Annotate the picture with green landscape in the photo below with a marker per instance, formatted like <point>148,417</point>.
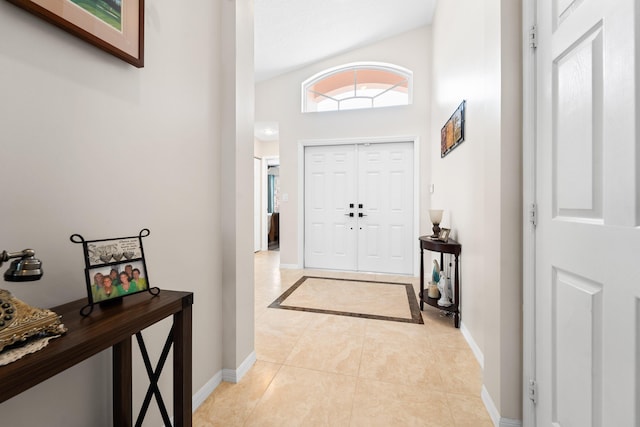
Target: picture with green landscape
<point>109,11</point>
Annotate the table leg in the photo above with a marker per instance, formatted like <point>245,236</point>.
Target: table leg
<point>421,295</point>
<point>182,367</point>
<point>122,391</point>
<point>457,295</point>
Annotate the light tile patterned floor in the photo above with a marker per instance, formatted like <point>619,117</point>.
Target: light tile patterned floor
<point>326,370</point>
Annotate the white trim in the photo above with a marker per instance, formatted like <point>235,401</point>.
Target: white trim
<point>529,124</point>
<point>206,390</point>
<point>416,205</point>
<point>264,244</point>
<point>235,375</point>
<point>266,162</point>
<point>415,140</point>
<point>490,406</point>
<point>472,343</point>
<point>494,414</point>
<point>258,190</point>
<point>301,146</point>
<point>506,422</point>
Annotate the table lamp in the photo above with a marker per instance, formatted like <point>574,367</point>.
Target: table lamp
<point>435,215</point>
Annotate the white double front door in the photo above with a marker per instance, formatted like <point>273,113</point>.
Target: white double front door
<point>359,207</point>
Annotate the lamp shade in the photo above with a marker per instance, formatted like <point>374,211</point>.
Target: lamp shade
<point>435,215</point>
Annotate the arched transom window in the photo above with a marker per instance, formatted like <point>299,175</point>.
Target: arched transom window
<point>359,85</point>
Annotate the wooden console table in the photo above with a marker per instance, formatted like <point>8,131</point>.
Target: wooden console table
<point>450,247</point>
<point>114,326</point>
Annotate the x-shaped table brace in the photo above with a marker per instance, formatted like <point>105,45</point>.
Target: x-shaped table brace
<point>154,376</point>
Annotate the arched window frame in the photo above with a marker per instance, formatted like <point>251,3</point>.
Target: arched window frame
<point>392,68</point>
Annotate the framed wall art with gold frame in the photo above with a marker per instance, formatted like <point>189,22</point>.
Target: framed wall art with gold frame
<point>115,26</point>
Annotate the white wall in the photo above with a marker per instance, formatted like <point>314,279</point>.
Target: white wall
<point>92,145</point>
<point>278,100</point>
<point>479,183</point>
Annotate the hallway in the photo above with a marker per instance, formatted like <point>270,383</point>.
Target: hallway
<point>327,370</point>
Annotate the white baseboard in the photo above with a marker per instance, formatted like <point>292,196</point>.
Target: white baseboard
<point>498,421</point>
<point>505,422</point>
<point>472,343</point>
<point>206,390</point>
<point>290,266</point>
<point>235,375</point>
<point>228,375</point>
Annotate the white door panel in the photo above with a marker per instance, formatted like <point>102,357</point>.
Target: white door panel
<point>329,189</point>
<point>386,193</point>
<point>587,238</point>
<point>378,237</point>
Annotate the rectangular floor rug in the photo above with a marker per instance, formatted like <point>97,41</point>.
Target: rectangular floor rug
<point>348,297</point>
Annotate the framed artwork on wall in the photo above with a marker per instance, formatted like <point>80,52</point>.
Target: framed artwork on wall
<point>115,26</point>
<point>452,133</point>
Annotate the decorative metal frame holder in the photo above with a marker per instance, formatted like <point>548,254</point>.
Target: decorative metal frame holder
<point>103,254</point>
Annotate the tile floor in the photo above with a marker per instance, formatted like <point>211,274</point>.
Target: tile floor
<point>326,370</point>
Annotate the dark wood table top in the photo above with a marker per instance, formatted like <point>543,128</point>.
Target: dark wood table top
<point>448,247</point>
<point>87,336</point>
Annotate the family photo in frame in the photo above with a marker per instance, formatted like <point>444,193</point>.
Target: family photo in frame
<point>117,280</point>
<point>114,269</point>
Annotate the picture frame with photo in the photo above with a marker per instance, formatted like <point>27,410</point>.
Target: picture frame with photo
<point>114,269</point>
<point>444,235</point>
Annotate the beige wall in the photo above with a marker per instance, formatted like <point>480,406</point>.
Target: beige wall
<point>264,149</point>
<point>92,145</point>
<point>479,183</point>
<point>238,185</point>
<point>278,100</point>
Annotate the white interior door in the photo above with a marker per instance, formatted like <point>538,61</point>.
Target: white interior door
<point>359,207</point>
<point>588,194</point>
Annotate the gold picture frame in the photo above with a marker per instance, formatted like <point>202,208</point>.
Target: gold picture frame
<point>115,26</point>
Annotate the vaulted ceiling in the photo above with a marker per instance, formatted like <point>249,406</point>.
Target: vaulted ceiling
<point>291,34</point>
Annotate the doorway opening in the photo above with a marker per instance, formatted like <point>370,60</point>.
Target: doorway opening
<point>273,207</point>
